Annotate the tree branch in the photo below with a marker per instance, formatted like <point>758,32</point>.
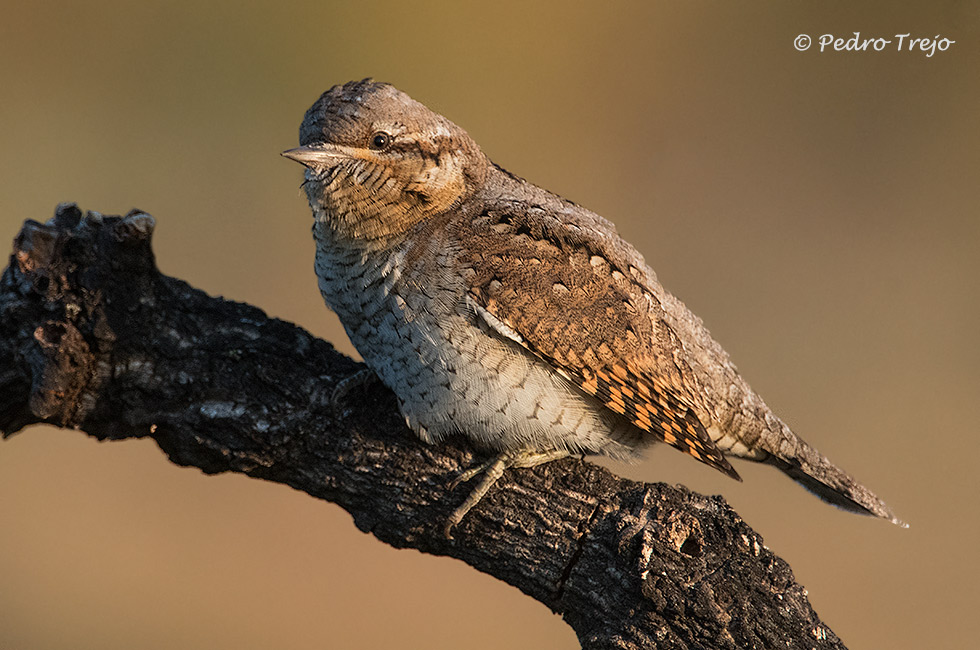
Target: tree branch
<point>95,338</point>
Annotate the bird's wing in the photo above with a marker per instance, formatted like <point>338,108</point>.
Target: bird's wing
<point>560,290</point>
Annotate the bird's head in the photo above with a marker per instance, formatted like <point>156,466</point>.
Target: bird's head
<point>378,162</point>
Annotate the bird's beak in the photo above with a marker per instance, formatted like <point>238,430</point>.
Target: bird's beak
<point>314,155</point>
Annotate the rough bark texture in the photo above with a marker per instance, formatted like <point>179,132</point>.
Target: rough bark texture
<point>95,338</point>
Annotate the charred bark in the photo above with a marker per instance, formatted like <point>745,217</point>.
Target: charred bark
<point>95,338</point>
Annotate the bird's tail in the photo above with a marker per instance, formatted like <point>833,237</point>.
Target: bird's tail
<point>817,474</point>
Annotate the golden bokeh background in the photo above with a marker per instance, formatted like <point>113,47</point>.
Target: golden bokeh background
<point>818,210</point>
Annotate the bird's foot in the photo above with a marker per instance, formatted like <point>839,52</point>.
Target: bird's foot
<point>356,381</point>
<point>493,470</point>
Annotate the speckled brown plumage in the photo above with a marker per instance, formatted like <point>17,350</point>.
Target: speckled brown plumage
<point>580,313</point>
<point>497,310</point>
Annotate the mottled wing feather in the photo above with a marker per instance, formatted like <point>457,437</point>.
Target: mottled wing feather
<point>650,409</point>
<point>563,300</point>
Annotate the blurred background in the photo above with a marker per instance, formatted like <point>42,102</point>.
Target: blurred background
<point>818,210</point>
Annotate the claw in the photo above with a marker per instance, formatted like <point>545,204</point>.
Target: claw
<point>347,385</point>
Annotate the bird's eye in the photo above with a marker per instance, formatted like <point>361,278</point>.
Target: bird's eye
<point>380,140</point>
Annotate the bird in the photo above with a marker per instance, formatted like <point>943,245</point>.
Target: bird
<point>499,311</point>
